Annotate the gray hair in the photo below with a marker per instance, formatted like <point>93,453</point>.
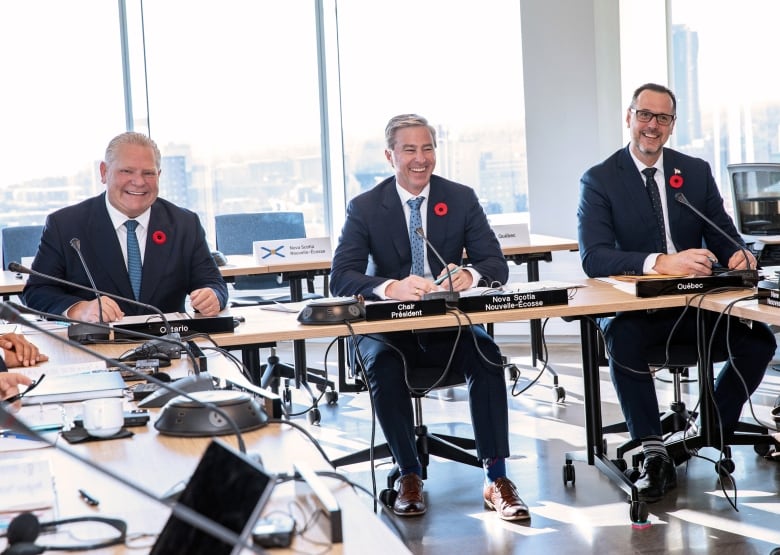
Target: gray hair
<point>403,121</point>
<point>131,138</point>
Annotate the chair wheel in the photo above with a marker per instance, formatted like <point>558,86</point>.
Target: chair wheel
<point>632,474</point>
<point>763,449</point>
<point>331,397</point>
<point>620,464</point>
<point>724,467</point>
<point>559,394</point>
<point>638,511</point>
<point>314,416</point>
<point>387,497</point>
<point>569,474</point>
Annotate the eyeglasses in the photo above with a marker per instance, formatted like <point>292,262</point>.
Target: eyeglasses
<point>33,385</point>
<point>646,116</point>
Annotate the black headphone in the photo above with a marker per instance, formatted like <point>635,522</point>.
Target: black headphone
<point>24,529</point>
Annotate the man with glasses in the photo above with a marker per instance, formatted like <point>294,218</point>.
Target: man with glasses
<point>631,223</point>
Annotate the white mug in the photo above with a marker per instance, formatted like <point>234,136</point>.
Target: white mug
<point>103,417</point>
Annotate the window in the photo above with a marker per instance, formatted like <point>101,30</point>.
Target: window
<point>457,64</point>
<point>60,103</point>
<point>727,87</point>
<point>234,107</point>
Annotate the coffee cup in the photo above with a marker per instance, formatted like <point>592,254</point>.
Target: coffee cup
<point>103,417</point>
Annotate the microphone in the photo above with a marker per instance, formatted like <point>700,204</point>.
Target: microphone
<point>211,424</point>
<point>153,346</point>
<point>180,510</point>
<point>450,296</point>
<point>18,268</point>
<point>749,276</point>
<point>87,333</point>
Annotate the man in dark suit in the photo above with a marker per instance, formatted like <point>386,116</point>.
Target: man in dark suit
<point>630,225</point>
<point>375,259</point>
<point>165,250</point>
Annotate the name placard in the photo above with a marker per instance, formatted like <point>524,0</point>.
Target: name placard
<point>684,286</point>
<point>304,249</point>
<point>512,235</point>
<point>401,310</point>
<point>512,301</point>
<point>769,296</point>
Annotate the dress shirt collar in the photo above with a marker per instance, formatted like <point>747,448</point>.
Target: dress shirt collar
<point>406,195</point>
<point>118,219</point>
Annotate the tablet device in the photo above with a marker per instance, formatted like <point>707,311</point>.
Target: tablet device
<point>227,487</point>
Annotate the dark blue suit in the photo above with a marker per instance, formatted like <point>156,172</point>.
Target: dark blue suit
<point>171,269</point>
<point>374,247</point>
<point>617,231</point>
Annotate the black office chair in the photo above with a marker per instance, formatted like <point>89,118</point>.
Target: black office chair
<point>677,419</point>
<point>20,241</point>
<point>235,234</point>
<point>453,448</point>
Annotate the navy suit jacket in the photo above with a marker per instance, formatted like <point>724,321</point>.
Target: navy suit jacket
<point>374,244</point>
<point>617,228</point>
<point>171,269</point>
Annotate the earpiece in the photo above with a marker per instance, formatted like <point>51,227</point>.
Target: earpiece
<point>22,533</point>
<point>24,529</point>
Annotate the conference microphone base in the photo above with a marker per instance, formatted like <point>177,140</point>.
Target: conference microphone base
<point>450,297</point>
<point>87,334</point>
<point>196,418</point>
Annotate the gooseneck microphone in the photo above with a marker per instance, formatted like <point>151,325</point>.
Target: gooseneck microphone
<point>86,333</point>
<point>18,268</point>
<point>749,276</point>
<point>13,316</point>
<point>450,296</point>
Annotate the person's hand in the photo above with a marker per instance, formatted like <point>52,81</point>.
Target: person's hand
<point>411,288</point>
<point>696,262</point>
<point>738,260</point>
<point>89,311</point>
<point>9,386</point>
<point>205,301</point>
<point>17,351</point>
<point>461,280</point>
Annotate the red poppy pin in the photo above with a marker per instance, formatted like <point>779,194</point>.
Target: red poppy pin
<point>440,209</point>
<point>676,180</point>
<point>159,237</point>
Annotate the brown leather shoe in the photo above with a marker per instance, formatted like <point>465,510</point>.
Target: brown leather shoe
<point>409,501</point>
<point>502,497</point>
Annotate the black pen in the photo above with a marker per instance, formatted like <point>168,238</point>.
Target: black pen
<point>88,499</point>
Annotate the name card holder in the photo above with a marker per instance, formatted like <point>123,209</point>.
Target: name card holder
<point>513,301</point>
<point>304,249</point>
<point>685,286</point>
<point>402,310</point>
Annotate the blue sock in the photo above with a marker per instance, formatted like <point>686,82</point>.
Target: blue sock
<point>494,468</point>
<point>416,469</point>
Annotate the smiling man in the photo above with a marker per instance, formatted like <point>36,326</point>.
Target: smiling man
<point>135,244</point>
<point>380,256</point>
<point>630,223</point>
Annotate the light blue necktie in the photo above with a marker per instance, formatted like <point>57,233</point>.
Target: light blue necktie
<point>418,245</point>
<point>134,263</point>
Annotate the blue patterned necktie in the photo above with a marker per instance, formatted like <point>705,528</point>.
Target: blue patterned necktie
<point>655,200</point>
<point>133,258</point>
<point>418,245</point>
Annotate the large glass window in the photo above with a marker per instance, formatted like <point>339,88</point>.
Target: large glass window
<point>456,63</point>
<point>234,106</point>
<point>728,89</point>
<point>60,102</point>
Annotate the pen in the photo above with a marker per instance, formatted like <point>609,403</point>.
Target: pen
<point>439,281</point>
<point>88,499</point>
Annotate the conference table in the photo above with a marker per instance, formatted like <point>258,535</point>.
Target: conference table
<point>157,462</point>
<point>539,249</point>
